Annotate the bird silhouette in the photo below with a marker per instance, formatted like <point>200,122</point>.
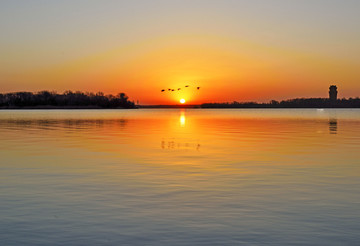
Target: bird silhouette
<point>186,86</point>
<point>172,90</point>
<point>162,90</point>
<point>198,88</point>
<point>169,89</point>
<point>179,89</point>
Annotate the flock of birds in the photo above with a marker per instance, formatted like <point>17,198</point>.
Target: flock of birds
<point>178,89</point>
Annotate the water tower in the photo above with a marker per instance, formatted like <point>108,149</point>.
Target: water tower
<point>333,93</point>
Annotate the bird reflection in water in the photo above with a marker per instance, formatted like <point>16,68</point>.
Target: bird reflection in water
<point>333,126</point>
<point>178,144</point>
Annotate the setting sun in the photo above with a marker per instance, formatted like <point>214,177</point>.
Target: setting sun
<point>182,100</point>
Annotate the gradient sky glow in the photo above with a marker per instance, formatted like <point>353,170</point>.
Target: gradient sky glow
<point>235,50</point>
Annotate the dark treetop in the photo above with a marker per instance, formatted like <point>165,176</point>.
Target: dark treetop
<point>68,99</point>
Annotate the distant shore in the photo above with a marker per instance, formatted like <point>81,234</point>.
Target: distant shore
<point>291,103</point>
<point>219,107</point>
<point>170,106</point>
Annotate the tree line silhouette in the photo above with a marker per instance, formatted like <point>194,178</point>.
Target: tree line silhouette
<point>78,99</point>
<point>291,103</point>
<point>68,99</point>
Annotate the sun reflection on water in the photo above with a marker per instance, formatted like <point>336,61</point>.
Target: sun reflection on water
<point>182,118</point>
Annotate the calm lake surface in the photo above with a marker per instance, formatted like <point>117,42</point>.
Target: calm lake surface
<point>180,177</point>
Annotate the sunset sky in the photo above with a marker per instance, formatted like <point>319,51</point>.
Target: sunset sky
<point>234,50</point>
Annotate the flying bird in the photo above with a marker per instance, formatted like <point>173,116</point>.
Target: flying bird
<point>198,88</point>
<point>186,86</point>
<point>179,89</point>
<point>169,89</point>
<point>172,90</point>
<point>162,90</point>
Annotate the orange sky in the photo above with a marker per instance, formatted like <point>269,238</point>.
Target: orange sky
<point>233,50</point>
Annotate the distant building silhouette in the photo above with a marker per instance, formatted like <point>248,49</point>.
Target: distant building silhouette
<point>333,93</point>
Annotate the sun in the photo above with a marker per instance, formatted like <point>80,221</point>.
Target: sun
<point>182,100</point>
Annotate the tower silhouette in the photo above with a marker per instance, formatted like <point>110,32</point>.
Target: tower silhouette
<point>333,93</point>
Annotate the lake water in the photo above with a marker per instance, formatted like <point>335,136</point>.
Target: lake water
<point>180,177</point>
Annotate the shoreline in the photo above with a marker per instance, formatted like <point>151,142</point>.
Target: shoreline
<point>162,107</point>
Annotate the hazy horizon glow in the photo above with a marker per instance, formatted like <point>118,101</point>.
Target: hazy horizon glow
<point>234,50</point>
